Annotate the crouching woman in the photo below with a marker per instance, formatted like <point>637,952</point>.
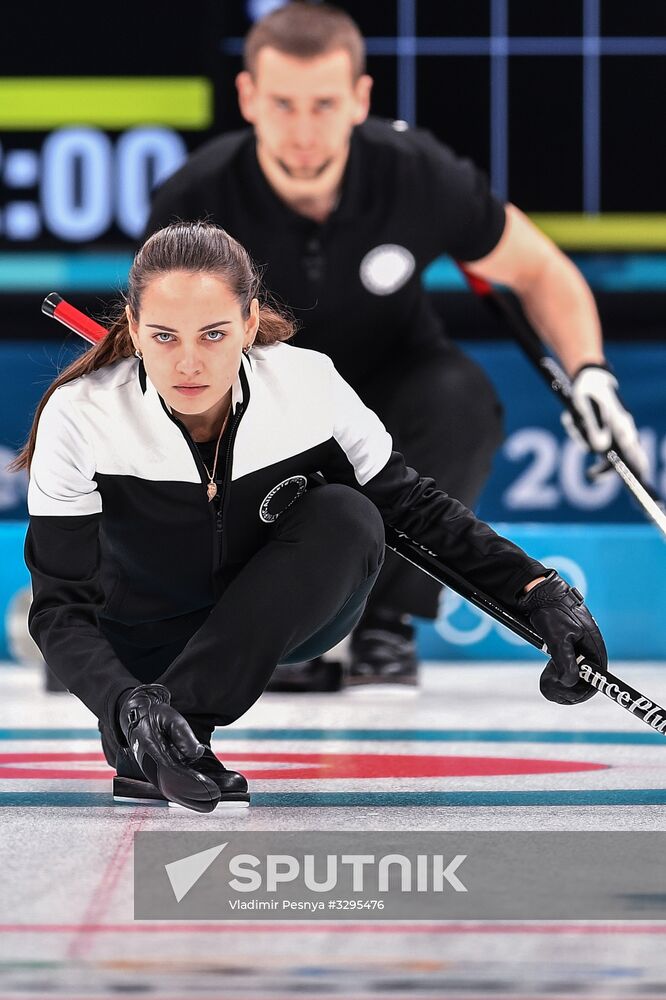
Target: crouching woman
<point>207,501</point>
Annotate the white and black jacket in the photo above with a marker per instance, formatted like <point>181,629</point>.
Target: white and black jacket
<point>121,530</point>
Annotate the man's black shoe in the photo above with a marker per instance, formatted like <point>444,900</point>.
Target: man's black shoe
<point>165,748</point>
<point>315,675</point>
<point>131,785</point>
<point>383,656</point>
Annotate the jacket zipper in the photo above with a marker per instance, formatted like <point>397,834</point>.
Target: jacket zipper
<point>216,516</point>
<point>222,504</point>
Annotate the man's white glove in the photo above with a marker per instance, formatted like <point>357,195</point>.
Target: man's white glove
<point>605,419</point>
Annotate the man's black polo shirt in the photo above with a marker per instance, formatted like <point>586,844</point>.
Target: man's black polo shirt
<point>354,283</point>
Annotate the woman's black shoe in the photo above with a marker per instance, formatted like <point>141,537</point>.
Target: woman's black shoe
<point>232,785</point>
<point>165,748</point>
<point>131,785</point>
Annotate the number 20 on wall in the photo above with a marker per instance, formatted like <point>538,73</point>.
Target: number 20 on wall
<point>555,472</point>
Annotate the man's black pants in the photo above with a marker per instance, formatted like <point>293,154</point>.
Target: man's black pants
<point>296,598</point>
<point>446,419</point>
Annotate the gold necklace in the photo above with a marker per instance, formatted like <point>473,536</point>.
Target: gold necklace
<point>211,489</point>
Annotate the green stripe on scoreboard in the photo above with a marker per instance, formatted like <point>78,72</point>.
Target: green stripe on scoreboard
<point>108,102</point>
<point>608,231</point>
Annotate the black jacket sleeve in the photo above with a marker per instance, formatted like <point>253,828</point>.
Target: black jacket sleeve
<point>63,556</point>
<point>363,457</point>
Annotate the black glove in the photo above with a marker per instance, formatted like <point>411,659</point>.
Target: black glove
<point>556,611</point>
<point>165,747</point>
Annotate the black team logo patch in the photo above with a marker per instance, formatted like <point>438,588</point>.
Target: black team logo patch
<point>281,497</point>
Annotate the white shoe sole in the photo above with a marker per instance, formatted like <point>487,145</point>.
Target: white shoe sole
<point>220,805</point>
<point>175,805</point>
<point>121,800</point>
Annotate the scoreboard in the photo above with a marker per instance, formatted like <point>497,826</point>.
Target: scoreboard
<point>554,100</point>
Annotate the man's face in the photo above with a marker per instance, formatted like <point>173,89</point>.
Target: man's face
<point>303,111</point>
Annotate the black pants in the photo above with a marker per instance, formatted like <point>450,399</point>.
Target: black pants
<point>296,598</point>
<point>445,418</point>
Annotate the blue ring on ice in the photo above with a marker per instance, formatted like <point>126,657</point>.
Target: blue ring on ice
<point>614,737</point>
<point>456,800</point>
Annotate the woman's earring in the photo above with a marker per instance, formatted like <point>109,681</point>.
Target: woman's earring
<point>138,354</point>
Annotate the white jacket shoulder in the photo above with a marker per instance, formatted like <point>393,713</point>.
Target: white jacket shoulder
<point>109,377</point>
<point>288,357</point>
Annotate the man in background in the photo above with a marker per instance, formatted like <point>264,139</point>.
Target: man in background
<point>345,212</point>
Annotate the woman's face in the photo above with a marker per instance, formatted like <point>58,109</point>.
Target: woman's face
<point>191,332</point>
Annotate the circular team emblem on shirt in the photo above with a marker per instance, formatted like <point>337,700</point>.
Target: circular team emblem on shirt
<point>386,268</point>
<point>281,497</point>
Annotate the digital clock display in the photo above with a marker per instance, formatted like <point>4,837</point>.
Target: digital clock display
<point>82,184</point>
<point>102,146</point>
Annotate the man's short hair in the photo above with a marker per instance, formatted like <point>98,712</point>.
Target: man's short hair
<point>306,30</point>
